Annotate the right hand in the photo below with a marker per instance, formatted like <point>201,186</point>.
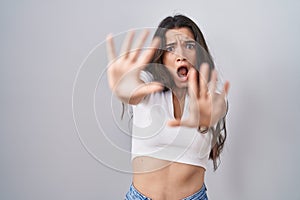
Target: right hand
<point>124,71</point>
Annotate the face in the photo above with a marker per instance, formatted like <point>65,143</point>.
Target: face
<point>180,55</point>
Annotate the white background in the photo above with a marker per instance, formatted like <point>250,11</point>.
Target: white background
<point>43,44</point>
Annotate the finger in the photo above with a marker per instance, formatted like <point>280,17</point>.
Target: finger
<point>127,44</point>
<point>213,82</point>
<point>111,52</point>
<point>204,72</point>
<point>193,90</point>
<point>148,54</point>
<point>140,43</point>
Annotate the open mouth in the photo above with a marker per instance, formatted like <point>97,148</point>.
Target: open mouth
<point>182,72</point>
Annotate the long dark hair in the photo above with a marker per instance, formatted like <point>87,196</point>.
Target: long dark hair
<point>161,74</point>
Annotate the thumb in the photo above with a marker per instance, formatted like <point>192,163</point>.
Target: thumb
<point>187,123</point>
<point>174,123</point>
<point>226,87</point>
<point>149,88</point>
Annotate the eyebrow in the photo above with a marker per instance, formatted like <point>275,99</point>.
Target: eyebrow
<point>171,44</point>
<point>190,41</point>
<point>186,41</point>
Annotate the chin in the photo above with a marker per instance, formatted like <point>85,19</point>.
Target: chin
<point>182,85</point>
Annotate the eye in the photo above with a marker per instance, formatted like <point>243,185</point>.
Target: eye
<point>190,45</point>
<point>170,48</point>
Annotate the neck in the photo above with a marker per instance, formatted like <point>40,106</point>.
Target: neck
<point>178,102</point>
<point>179,93</point>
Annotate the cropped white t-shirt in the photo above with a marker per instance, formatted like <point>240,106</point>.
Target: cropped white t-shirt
<point>152,137</point>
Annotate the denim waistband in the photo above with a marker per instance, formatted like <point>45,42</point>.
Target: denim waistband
<point>200,195</point>
<point>133,194</point>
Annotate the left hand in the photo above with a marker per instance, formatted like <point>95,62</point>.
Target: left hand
<point>206,107</point>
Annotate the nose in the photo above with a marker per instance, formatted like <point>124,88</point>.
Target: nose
<point>180,56</point>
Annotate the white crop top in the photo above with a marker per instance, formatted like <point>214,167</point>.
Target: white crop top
<point>152,137</point>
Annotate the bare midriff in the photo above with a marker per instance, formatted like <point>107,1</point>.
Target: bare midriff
<point>165,180</point>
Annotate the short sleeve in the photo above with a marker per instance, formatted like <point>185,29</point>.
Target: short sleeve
<point>146,76</point>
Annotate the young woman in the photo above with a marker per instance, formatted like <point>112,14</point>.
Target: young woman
<point>178,110</point>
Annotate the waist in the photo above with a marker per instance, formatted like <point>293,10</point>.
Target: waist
<point>156,178</point>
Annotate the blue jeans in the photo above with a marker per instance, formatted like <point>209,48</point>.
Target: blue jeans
<point>133,194</point>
